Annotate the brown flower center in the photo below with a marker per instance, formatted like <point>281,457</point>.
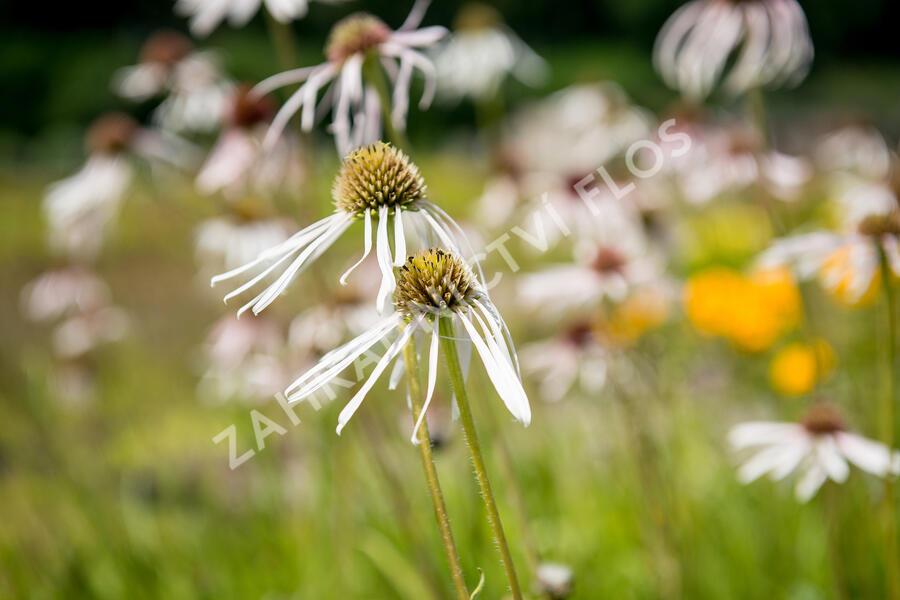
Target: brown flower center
<point>822,419</point>
<point>607,260</point>
<point>357,33</point>
<point>166,48</point>
<point>110,134</point>
<point>248,109</point>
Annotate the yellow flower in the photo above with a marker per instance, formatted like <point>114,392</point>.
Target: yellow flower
<point>797,367</point>
<point>752,312</point>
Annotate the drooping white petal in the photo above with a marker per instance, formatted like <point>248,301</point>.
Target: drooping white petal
<point>870,456</point>
<point>383,253</point>
<point>810,483</point>
<point>432,374</point>
<point>399,239</point>
<point>367,247</point>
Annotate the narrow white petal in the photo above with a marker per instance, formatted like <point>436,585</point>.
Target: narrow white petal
<point>367,247</point>
<point>383,252</point>
<point>432,375</point>
<point>399,239</point>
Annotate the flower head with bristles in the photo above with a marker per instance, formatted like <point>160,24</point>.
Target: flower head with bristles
<point>434,281</point>
<point>379,186</point>
<point>375,176</point>
<point>434,287</point>
<point>357,33</point>
<point>362,54</point>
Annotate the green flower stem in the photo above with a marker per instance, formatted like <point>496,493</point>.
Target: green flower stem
<point>465,416</point>
<point>283,39</point>
<point>431,477</point>
<point>373,73</point>
<point>892,561</point>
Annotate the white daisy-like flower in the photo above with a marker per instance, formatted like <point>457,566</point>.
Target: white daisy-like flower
<point>61,292</point>
<point>434,285</point>
<point>357,44</point>
<point>196,90</point>
<point>738,44</point>
<point>607,267</point>
<point>206,15</point>
<point>556,580</point>
<point>820,446</point>
<point>378,185</point>
<point>481,54</point>
<point>237,165</point>
<point>558,364</point>
<point>846,261</point>
<point>80,208</point>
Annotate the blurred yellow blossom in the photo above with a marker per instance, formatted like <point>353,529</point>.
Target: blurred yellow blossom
<point>837,274</point>
<point>797,367</point>
<point>645,309</point>
<point>751,311</point>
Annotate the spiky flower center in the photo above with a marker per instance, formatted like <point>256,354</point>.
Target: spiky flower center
<point>110,134</point>
<point>879,225</point>
<point>357,33</point>
<point>249,109</point>
<point>375,176</point>
<point>822,419</point>
<point>434,281</point>
<point>165,48</point>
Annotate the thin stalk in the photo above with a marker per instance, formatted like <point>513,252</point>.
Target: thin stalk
<point>892,561</point>
<point>833,531</point>
<point>431,477</point>
<point>374,74</point>
<point>448,346</point>
<point>283,40</point>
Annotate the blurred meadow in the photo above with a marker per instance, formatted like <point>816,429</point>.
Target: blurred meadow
<point>122,404</point>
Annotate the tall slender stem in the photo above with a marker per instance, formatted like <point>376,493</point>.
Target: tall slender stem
<point>283,39</point>
<point>448,346</point>
<point>892,561</point>
<point>431,477</point>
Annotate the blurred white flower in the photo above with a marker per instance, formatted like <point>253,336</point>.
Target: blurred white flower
<point>61,292</point>
<point>237,164</point>
<point>80,208</point>
<point>196,90</point>
<point>481,53</point>
<point>617,259</point>
<point>245,359</point>
<point>435,285</point>
<point>206,15</point>
<point>732,158</point>
<point>87,330</point>
<point>855,150</point>
<point>555,580</point>
<point>819,446</point>
<point>739,44</point>
<point>573,357</point>
<point>378,185</point>
<point>231,241</point>
<point>355,45</point>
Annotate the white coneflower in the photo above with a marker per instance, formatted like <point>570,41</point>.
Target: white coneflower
<point>742,44</point>
<point>357,43</point>
<point>206,15</point>
<point>237,164</point>
<point>555,580</point>
<point>378,185</point>
<point>558,364</point>
<point>819,445</point>
<point>481,53</point>
<point>605,269</point>
<point>433,284</point>
<point>859,247</point>
<point>62,292</point>
<point>80,208</point>
<point>196,89</point>
<point>855,150</point>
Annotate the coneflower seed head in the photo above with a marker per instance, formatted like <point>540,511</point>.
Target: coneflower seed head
<point>822,419</point>
<point>375,176</point>
<point>433,281</point>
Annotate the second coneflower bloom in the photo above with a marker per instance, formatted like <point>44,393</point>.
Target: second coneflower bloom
<point>378,185</point>
<point>434,284</point>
